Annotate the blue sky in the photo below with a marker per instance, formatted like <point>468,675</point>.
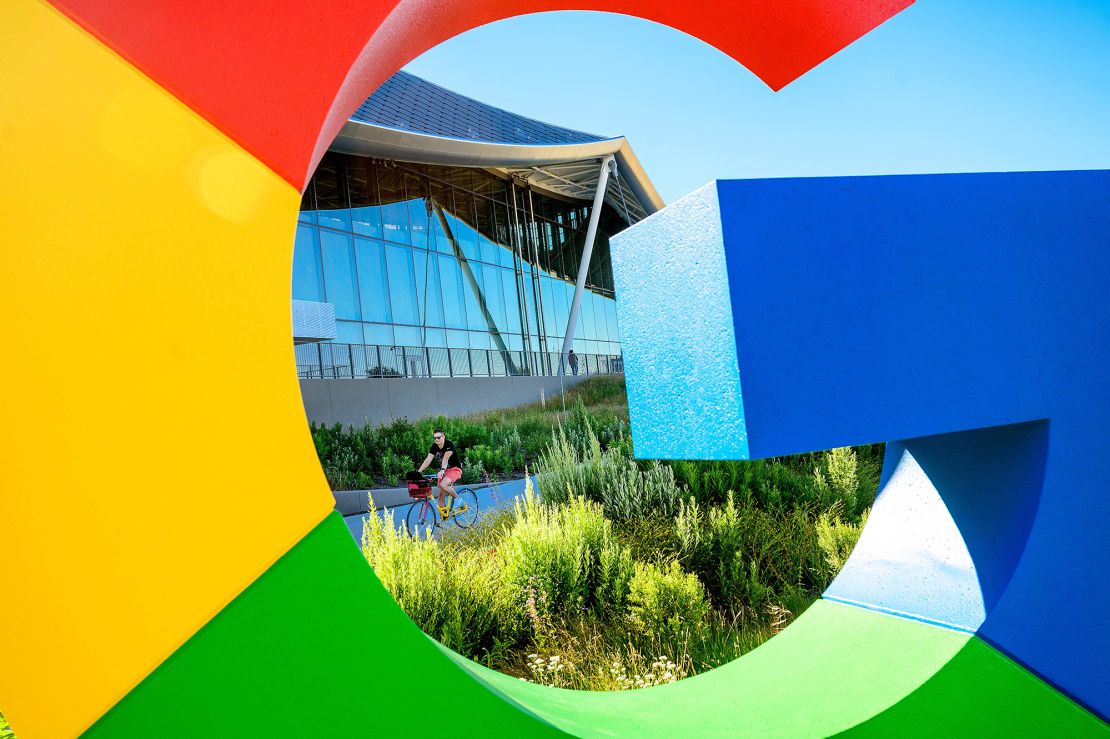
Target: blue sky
<point>945,86</point>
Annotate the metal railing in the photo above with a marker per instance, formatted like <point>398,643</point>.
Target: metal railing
<point>355,361</point>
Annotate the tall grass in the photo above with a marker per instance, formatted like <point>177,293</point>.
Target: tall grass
<point>609,477</point>
<point>453,593</point>
<point>564,560</point>
<point>620,573</point>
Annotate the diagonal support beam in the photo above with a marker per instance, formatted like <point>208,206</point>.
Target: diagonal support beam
<point>472,281</point>
<point>607,165</point>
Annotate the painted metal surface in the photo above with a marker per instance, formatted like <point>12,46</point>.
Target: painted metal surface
<point>902,325</point>
<point>675,316</point>
<point>235,64</point>
<point>963,316</point>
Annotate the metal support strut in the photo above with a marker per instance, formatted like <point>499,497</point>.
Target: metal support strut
<point>608,164</point>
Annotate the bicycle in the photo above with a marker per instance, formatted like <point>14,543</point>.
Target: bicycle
<point>424,512</point>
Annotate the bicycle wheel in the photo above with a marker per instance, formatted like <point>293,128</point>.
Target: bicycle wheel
<point>422,516</point>
<point>465,518</point>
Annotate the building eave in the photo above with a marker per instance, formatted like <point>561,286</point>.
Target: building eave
<point>382,142</point>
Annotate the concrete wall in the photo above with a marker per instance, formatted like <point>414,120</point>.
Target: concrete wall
<point>381,399</point>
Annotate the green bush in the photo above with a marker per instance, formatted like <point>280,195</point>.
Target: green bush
<point>565,559</point>
<point>341,469</point>
<point>394,467</point>
<point>492,459</point>
<point>608,477</point>
<point>454,594</point>
<point>837,539</point>
<point>666,602</point>
<point>746,556</point>
<point>820,480</point>
<point>472,472</point>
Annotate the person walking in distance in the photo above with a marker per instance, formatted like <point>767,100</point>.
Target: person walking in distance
<point>573,358</point>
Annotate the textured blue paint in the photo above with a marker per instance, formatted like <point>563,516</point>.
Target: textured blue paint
<point>911,559</point>
<point>683,370</point>
<point>916,307</point>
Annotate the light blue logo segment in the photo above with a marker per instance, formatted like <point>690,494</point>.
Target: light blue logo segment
<point>676,325</point>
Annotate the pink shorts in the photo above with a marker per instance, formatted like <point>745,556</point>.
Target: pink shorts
<point>451,473</point>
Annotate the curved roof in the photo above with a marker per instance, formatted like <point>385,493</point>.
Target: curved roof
<point>409,103</point>
<point>411,119</point>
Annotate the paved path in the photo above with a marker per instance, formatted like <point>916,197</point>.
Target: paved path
<point>397,500</point>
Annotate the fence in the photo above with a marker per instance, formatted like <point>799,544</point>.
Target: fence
<point>337,361</point>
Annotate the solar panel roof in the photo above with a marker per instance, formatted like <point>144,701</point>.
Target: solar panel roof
<point>410,103</point>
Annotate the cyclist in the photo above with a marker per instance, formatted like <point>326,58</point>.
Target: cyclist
<point>447,457</point>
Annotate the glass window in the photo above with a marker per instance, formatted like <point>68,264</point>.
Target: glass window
<point>493,294</point>
<point>366,215</point>
<point>462,223</point>
<point>307,213</point>
<point>601,326</point>
<point>484,223</point>
<point>402,284</point>
<point>377,333</point>
<point>548,298</point>
<point>330,183</point>
<point>394,212</point>
<point>428,293</point>
<point>599,318</point>
<point>435,337</point>
<point>505,252</point>
<point>562,309</point>
<point>480,340</point>
<point>475,319</point>
<point>307,284</point>
<point>454,300</point>
<point>441,195</point>
<point>583,311</point>
<point>308,201</point>
<point>458,339</point>
<point>510,299</point>
<point>614,329</point>
<point>407,335</point>
<point>420,216</point>
<point>339,274</point>
<point>530,304</point>
<point>373,288</point>
<point>348,332</point>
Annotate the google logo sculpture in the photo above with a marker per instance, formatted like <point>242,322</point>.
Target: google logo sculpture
<point>171,564</point>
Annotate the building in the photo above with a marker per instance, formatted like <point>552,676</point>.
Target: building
<point>443,237</point>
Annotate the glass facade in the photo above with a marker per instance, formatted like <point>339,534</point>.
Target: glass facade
<point>427,256</point>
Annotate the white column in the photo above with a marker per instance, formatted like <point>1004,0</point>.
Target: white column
<point>607,165</point>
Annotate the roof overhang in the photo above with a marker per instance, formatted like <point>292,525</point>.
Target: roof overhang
<point>570,170</point>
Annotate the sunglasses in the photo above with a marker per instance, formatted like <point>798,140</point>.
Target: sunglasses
<point>438,436</point>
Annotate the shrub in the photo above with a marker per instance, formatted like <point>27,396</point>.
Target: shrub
<point>454,595</point>
<point>608,477</point>
<point>565,559</point>
<point>472,472</point>
<point>666,602</point>
<point>492,459</point>
<point>628,493</point>
<point>340,470</point>
<point>394,466</point>
<point>836,479</point>
<point>837,539</point>
<point>748,556</point>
